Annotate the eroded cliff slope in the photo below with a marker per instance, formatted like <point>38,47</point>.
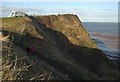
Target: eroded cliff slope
<point>61,43</point>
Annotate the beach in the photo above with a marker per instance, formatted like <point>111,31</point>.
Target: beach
<point>105,34</point>
<point>107,43</point>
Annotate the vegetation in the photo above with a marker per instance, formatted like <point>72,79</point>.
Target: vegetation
<point>64,50</point>
<point>18,66</point>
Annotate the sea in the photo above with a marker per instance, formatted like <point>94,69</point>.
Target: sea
<point>105,35</point>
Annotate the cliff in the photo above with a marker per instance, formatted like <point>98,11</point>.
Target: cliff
<point>64,49</point>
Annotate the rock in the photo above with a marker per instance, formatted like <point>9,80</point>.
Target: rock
<point>64,44</point>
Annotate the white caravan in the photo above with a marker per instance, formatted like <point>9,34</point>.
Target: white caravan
<point>17,14</point>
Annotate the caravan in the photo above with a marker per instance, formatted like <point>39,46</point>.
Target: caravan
<point>17,14</point>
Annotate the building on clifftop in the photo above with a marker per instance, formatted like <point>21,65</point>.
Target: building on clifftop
<point>17,14</point>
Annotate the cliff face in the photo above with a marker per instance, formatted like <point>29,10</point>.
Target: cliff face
<point>61,42</point>
<point>70,26</point>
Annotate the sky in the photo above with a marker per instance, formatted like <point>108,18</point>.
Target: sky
<point>86,11</point>
<point>60,0</point>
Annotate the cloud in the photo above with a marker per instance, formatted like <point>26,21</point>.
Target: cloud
<point>7,10</point>
<point>96,15</point>
<point>91,15</point>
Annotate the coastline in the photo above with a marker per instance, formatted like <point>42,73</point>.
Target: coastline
<point>107,43</point>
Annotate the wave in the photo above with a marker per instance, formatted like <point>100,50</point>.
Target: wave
<point>107,43</point>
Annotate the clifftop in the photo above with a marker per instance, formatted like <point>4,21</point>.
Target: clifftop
<point>61,42</point>
<point>70,26</point>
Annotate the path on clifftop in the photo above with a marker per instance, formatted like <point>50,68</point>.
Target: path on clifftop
<point>63,48</point>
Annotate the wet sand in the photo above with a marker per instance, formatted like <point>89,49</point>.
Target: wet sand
<point>111,41</point>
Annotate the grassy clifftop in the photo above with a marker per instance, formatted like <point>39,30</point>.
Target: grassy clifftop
<point>62,43</point>
<point>70,26</point>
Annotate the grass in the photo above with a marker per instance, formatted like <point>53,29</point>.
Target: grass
<point>74,53</point>
<point>15,66</point>
<point>71,27</point>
